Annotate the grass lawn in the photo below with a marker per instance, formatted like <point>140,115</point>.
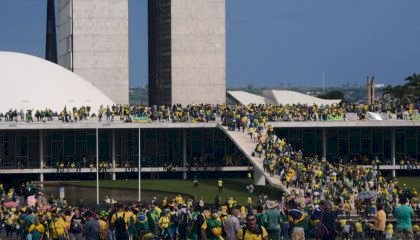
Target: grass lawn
<point>207,188</point>
<point>411,182</point>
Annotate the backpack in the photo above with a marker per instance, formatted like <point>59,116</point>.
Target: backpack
<point>185,218</point>
<point>173,218</point>
<point>120,226</point>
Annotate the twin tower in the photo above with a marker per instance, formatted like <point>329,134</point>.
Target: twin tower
<point>187,48</point>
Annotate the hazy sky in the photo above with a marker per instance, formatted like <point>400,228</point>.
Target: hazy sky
<point>272,42</point>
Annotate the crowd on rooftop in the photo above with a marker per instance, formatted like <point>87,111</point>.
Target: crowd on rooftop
<point>212,112</point>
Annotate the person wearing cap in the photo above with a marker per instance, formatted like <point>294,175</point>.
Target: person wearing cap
<point>91,229</point>
<point>252,230</point>
<point>273,220</point>
<point>212,228</point>
<point>103,225</point>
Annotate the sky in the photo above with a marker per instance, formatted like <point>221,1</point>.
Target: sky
<point>271,43</point>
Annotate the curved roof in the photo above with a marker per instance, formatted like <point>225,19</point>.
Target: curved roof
<point>291,97</point>
<point>246,98</point>
<point>279,97</point>
<point>29,82</point>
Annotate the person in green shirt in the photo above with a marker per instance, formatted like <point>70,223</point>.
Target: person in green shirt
<point>404,215</point>
<point>194,230</point>
<point>284,226</point>
<point>141,226</point>
<point>273,220</point>
<point>261,217</point>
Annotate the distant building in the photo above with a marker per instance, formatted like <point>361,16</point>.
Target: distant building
<point>93,43</point>
<point>187,51</point>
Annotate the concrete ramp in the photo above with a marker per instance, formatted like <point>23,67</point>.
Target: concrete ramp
<point>247,146</point>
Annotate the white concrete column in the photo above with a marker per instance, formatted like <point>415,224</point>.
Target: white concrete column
<point>97,166</point>
<point>41,154</point>
<point>259,179</point>
<point>139,166</point>
<point>393,150</point>
<point>114,175</point>
<point>324,143</point>
<point>184,153</point>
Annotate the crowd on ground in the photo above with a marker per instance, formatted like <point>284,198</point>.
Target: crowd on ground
<point>297,215</point>
<point>212,112</point>
<point>354,190</point>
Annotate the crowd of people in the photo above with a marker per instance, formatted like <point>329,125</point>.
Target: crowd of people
<point>354,191</point>
<point>212,112</point>
<point>305,213</point>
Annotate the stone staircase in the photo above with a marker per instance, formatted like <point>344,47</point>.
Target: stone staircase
<point>247,145</point>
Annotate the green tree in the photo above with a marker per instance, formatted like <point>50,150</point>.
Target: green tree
<point>413,80</point>
<point>413,85</point>
<point>387,90</point>
<point>334,94</point>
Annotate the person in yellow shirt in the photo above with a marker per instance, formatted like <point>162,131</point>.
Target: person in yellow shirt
<point>164,222</point>
<point>120,220</point>
<point>58,228</point>
<point>252,231</point>
<point>220,185</point>
<point>389,231</point>
<point>359,229</point>
<point>103,225</point>
<point>36,230</point>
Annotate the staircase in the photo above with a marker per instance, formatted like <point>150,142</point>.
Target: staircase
<point>247,145</point>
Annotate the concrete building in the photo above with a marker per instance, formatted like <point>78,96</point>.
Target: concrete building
<point>187,51</point>
<point>93,43</point>
<point>35,149</point>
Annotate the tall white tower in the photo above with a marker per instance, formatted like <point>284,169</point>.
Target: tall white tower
<point>93,43</point>
<point>187,51</point>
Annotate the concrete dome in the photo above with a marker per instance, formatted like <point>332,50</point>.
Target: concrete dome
<point>29,82</point>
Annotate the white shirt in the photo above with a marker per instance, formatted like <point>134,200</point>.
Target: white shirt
<point>232,226</point>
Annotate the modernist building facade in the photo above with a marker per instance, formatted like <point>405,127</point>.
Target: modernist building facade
<point>187,51</point>
<point>37,148</point>
<point>93,43</point>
